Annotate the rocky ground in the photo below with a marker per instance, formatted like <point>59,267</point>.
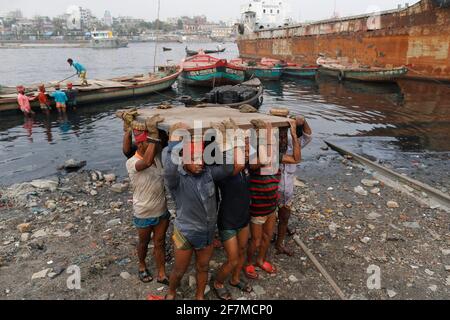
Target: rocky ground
<point>85,219</point>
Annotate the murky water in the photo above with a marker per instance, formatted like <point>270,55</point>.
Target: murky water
<point>405,126</point>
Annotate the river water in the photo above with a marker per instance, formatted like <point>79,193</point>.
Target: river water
<point>404,126</point>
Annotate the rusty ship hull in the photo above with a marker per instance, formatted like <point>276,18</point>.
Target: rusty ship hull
<point>417,37</point>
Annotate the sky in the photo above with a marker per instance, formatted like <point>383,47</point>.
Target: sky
<point>215,10</point>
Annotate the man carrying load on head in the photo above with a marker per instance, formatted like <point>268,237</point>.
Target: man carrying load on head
<point>81,71</point>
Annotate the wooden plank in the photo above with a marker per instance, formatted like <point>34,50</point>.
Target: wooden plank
<point>208,116</point>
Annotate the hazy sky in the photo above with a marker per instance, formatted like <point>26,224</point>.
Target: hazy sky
<point>215,9</point>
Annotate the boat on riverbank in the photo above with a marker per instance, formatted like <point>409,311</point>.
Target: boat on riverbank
<point>265,72</point>
<point>343,70</point>
<point>293,70</point>
<point>120,88</point>
<point>208,71</point>
<point>248,93</point>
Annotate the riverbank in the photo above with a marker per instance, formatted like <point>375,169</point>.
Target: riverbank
<point>76,220</point>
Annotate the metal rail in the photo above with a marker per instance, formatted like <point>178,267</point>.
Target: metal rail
<point>434,197</point>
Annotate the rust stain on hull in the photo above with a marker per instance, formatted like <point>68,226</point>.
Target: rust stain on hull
<point>417,37</point>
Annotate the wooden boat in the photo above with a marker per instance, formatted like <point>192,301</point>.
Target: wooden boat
<point>255,101</point>
<point>205,70</point>
<point>191,53</point>
<point>344,70</point>
<point>106,90</point>
<point>257,70</point>
<point>297,71</point>
<point>167,49</point>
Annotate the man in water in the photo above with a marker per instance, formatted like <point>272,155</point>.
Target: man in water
<point>81,71</point>
<point>60,99</point>
<point>24,102</point>
<point>71,94</point>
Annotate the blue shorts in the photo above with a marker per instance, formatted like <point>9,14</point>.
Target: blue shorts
<point>150,222</point>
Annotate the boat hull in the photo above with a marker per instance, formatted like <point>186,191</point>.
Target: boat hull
<point>265,74</point>
<point>391,75</point>
<point>212,77</point>
<point>300,72</point>
<point>417,37</point>
<point>107,94</point>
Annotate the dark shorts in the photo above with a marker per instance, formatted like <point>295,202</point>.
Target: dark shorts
<point>226,235</point>
<point>150,222</point>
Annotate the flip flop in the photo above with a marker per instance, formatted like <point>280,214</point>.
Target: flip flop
<point>267,267</point>
<point>164,281</point>
<point>250,272</point>
<point>222,293</point>
<point>243,286</point>
<point>285,251</point>
<point>152,297</point>
<point>145,275</point>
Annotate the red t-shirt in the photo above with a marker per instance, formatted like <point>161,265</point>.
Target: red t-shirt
<point>43,98</point>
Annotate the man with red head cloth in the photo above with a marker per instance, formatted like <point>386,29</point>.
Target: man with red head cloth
<point>24,101</point>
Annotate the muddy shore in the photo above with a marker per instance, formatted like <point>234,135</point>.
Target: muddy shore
<point>81,219</point>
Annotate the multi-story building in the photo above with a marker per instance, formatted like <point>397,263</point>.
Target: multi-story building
<point>107,19</point>
<point>267,13</point>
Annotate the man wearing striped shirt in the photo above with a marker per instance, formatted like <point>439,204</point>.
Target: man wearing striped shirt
<point>264,187</point>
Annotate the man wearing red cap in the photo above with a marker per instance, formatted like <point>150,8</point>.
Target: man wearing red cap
<point>24,102</point>
<point>43,100</point>
<point>71,94</point>
<point>149,199</point>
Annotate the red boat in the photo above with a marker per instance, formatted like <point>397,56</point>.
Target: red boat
<point>208,71</point>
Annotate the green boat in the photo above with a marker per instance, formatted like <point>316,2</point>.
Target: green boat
<point>258,70</point>
<point>207,71</point>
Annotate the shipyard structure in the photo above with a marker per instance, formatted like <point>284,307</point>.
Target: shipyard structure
<point>416,36</point>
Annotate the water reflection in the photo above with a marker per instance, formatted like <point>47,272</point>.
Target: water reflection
<point>383,121</point>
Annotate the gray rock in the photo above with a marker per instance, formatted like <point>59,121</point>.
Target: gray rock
<point>447,268</point>
<point>103,297</point>
<point>258,290</point>
<point>24,237</point>
<point>411,225</point>
<point>392,205</point>
<point>62,234</point>
<point>365,240</point>
<point>50,185</point>
<point>447,281</point>
<point>433,288</point>
<point>391,293</point>
<point>39,234</point>
<point>370,183</point>
<point>375,191</point>
<point>119,187</point>
<point>73,164</point>
<point>55,272</point>
<point>361,191</point>
<point>40,275</point>
<point>125,275</point>
<point>293,279</point>
<point>114,222</point>
<point>429,272</point>
<point>207,289</point>
<point>192,281</point>
<point>445,252</point>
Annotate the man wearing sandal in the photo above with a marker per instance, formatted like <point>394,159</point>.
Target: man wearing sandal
<point>264,187</point>
<point>233,225</point>
<point>149,198</point>
<point>192,185</point>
